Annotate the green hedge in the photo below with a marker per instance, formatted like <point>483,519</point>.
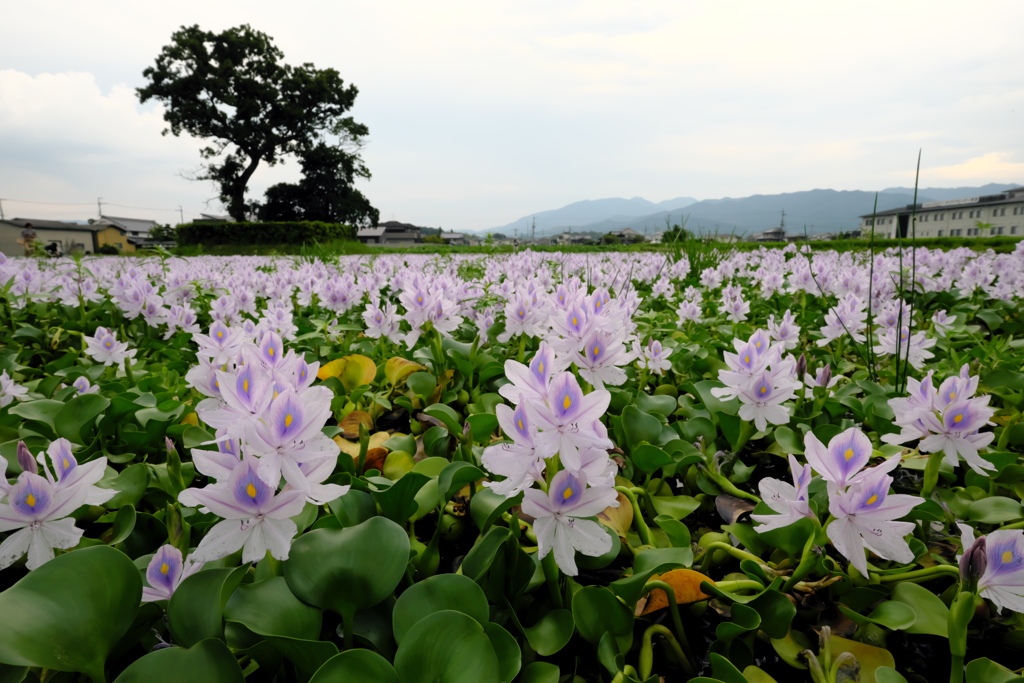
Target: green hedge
<point>295,232</point>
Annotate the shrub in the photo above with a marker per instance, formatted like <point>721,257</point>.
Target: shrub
<point>216,233</point>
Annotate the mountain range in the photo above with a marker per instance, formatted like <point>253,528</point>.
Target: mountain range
<point>815,211</point>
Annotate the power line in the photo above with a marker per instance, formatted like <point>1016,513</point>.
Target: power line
<point>99,202</point>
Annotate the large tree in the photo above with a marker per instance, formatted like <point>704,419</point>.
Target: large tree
<point>325,193</point>
<point>232,90</point>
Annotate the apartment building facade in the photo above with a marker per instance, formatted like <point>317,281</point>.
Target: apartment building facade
<point>1003,212</point>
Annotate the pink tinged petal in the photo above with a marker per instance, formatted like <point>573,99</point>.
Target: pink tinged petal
<point>593,502</point>
<point>819,459</point>
<point>249,490</point>
<point>31,496</point>
<point>589,537</point>
<point>219,499</point>
<point>544,529</point>
<point>61,458</point>
<point>886,540</point>
<point>849,453</point>
<point>776,494</point>
<point>1005,554</point>
<point>278,535</point>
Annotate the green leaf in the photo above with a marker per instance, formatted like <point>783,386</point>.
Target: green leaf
<point>886,674</point>
<point>788,441</point>
<point>540,672</point>
<point>447,646</point>
<point>482,425</point>
<point>869,656</point>
<point>447,415</point>
<point>639,426</point>
<point>366,563</point>
<point>124,524</point>
<point>597,611</point>
<point>931,613</point>
<point>510,657</point>
<point>893,615</point>
<point>196,609</point>
<point>984,670</point>
<point>209,661</point>
<point>442,592</point>
<point>365,666</point>
<point>650,458</point>
<point>994,510</point>
<point>551,633</point>
<point>398,502</point>
<point>42,410</point>
<point>714,405</point>
<point>76,414</point>
<point>486,506</point>
<point>83,601</point>
<point>421,383</point>
<point>269,608</point>
<point>130,485</point>
<point>454,476</point>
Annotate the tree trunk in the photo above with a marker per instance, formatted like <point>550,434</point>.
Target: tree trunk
<point>237,207</point>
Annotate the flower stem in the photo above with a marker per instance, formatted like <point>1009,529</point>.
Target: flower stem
<point>642,530</point>
<point>931,474</point>
<point>680,641</point>
<point>927,573</point>
<point>647,652</point>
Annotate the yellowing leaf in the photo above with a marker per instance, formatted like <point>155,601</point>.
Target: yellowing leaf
<point>352,447</point>
<point>398,368</point>
<point>350,424</point>
<point>686,584</point>
<point>191,419</point>
<point>353,371</point>
<point>618,519</point>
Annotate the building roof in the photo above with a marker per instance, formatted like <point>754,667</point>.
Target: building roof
<point>39,224</point>
<point>130,224</point>
<point>952,204</point>
<point>371,232</point>
<point>454,236</point>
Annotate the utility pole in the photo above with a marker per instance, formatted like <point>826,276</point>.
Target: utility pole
<point>533,230</point>
<point>181,213</point>
<point>782,221</point>
<point>1,209</point>
<point>99,205</point>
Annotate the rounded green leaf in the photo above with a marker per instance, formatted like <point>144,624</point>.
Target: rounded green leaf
<point>196,610</point>
<point>365,666</point>
<point>346,570</point>
<point>449,647</point>
<point>540,672</point>
<point>84,600</point>
<point>268,608</point>
<point>442,592</point>
<point>597,611</point>
<point>209,661</point>
<point>639,426</point>
<point>77,414</point>
<point>510,657</point>
<point>932,615</point>
<point>994,510</point>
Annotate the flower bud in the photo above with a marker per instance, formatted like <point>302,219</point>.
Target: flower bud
<point>974,562</point>
<point>25,460</point>
<point>801,366</point>
<point>825,377</point>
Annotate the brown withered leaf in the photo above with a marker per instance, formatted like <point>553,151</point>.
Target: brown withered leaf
<point>686,584</point>
<point>375,458</point>
<point>731,508</point>
<point>618,519</point>
<point>352,447</point>
<point>350,424</point>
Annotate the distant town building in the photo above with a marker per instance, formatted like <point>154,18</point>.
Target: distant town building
<point>1004,212</point>
<point>392,234</point>
<point>136,230</point>
<point>69,237</point>
<point>770,235</point>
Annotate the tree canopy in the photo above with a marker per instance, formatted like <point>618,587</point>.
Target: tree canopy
<point>232,90</point>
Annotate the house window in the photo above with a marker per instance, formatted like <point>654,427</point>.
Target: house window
<point>940,233</point>
<point>1013,230</point>
<point>924,219</point>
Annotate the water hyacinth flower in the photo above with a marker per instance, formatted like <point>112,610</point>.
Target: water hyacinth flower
<point>652,357</point>
<point>67,473</point>
<point>566,417</point>
<point>996,563</point>
<point>914,347</point>
<point>865,518</point>
<point>82,385</point>
<point>9,390</point>
<point>103,347</point>
<point>165,573</point>
<point>761,401</point>
<point>39,511</point>
<point>842,462</point>
<point>255,519</point>
<point>789,501</point>
<point>557,519</point>
<point>520,462</point>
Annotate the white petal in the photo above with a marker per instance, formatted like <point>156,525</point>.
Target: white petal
<point>14,547</point>
<point>222,540</point>
<point>589,538</point>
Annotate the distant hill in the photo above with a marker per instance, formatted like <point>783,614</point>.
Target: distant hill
<point>590,211</point>
<point>814,210</point>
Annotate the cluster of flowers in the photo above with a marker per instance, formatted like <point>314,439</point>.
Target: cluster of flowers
<point>761,378</point>
<point>268,420</point>
<point>555,425</point>
<point>948,419</point>
<point>38,508</point>
<point>864,511</point>
<point>103,347</point>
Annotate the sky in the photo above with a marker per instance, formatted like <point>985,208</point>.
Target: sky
<point>481,113</point>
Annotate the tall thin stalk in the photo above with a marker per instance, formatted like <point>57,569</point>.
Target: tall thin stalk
<point>872,362</point>
<point>913,276</point>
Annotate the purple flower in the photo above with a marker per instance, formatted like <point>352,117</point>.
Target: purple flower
<point>999,570</point>
<point>844,459</point>
<point>789,501</point>
<point>165,573</point>
<point>40,513</point>
<point>557,519</point>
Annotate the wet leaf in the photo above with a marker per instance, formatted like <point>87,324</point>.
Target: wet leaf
<point>686,584</point>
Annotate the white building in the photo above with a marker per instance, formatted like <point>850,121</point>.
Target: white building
<point>1004,212</point>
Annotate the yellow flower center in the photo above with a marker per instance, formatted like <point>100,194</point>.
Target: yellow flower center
<point>952,395</point>
<point>757,344</point>
<point>164,569</point>
<point>220,335</point>
<point>245,385</point>
<point>270,351</point>
<point>597,350</point>
<point>1007,556</point>
<point>520,424</point>
<point>567,493</point>
<point>958,419</point>
<point>66,463</point>
<point>250,490</point>
<point>540,366</point>
<point>288,420</point>
<point>872,500</point>
<point>746,359</point>
<point>566,402</point>
<point>30,500</point>
<point>575,322</point>
<point>848,454</point>
<point>764,390</point>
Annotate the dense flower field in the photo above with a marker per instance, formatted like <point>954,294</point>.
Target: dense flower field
<point>780,466</point>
